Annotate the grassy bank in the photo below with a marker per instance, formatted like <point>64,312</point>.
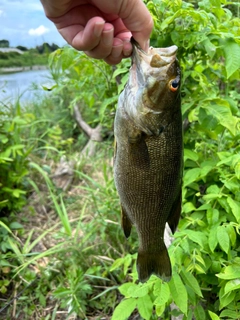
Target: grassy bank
<point>58,254</point>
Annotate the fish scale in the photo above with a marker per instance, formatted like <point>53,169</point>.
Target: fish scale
<point>148,155</point>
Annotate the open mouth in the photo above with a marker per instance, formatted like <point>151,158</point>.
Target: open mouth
<point>155,57</point>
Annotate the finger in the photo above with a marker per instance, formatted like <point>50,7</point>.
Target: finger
<point>116,54</point>
<point>127,48</point>
<point>84,38</point>
<point>138,20</point>
<point>89,36</point>
<point>105,45</point>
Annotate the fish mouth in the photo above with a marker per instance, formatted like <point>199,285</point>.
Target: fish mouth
<point>154,57</point>
<point>151,72</point>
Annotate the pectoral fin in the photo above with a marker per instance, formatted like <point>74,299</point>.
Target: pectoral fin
<point>126,223</point>
<point>175,213</point>
<point>138,149</point>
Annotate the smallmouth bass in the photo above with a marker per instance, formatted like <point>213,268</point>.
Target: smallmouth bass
<point>148,155</point>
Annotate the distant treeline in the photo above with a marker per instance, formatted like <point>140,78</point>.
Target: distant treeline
<point>44,48</point>
<point>30,57</point>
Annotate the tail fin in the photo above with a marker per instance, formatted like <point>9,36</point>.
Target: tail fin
<point>157,263</point>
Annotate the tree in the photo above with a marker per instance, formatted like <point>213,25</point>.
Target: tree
<point>4,44</point>
<point>22,48</point>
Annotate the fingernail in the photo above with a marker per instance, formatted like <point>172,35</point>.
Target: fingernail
<point>98,28</point>
<point>127,48</point>
<point>116,51</point>
<point>108,37</point>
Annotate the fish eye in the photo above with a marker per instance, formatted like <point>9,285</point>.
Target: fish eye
<point>174,84</point>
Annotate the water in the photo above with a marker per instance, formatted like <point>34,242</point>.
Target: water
<point>25,84</point>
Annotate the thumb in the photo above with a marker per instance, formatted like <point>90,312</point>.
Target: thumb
<point>138,20</point>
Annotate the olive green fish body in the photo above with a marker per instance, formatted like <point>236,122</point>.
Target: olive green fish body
<point>148,160</point>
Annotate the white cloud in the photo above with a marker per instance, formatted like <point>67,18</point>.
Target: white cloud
<point>1,12</point>
<point>38,31</point>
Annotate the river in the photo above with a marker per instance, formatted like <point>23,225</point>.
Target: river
<point>25,84</point>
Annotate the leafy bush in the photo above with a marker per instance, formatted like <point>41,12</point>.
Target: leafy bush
<point>205,253</point>
<point>13,159</point>
<point>91,84</point>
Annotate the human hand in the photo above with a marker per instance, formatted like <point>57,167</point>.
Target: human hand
<point>101,28</point>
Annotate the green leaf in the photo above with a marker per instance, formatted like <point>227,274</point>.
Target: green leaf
<point>232,55</point>
<point>191,281</point>
<point>188,207</point>
<point>225,299</point>
<point>212,240</point>
<point>116,264</point>
<point>227,158</point>
<point>230,272</point>
<point>179,293</point>
<point>145,307</point>
<point>17,192</point>
<point>220,109</point>
<point>209,47</point>
<point>232,285</point>
<point>160,309</point>
<point>196,236</point>
<point>163,294</point>
<point>229,314</point>
<point>107,102</point>
<point>189,154</point>
<point>62,292</point>
<point>125,287</point>
<point>213,315</point>
<point>199,268</point>
<point>68,58</point>
<point>119,71</point>
<point>124,309</point>
<point>191,176</point>
<point>199,312</point>
<point>137,291</point>
<point>235,206</point>
<point>237,170</point>
<point>212,216</point>
<point>49,87</point>
<point>15,225</point>
<point>232,185</point>
<point>205,170</point>
<point>223,238</point>
<point>232,234</point>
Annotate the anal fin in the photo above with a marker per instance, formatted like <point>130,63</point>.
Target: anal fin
<point>126,223</point>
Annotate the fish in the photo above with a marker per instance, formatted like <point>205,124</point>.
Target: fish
<point>148,157</point>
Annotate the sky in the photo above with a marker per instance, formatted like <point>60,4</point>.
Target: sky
<point>23,22</point>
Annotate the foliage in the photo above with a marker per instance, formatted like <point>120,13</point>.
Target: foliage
<point>13,159</point>
<point>47,48</point>
<point>92,85</point>
<point>76,276</point>
<point>205,253</point>
<point>88,257</point>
